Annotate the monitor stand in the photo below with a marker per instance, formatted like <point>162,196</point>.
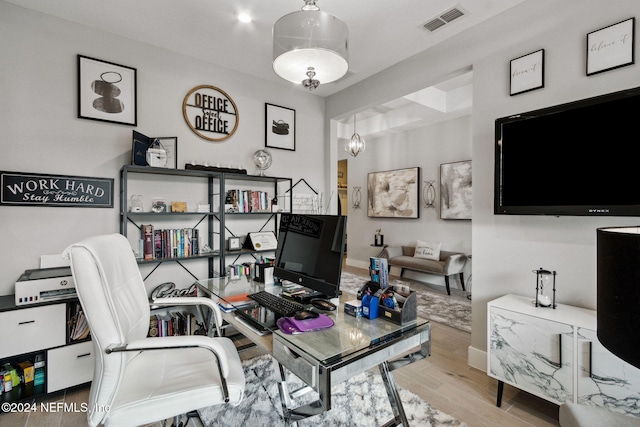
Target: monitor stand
<point>305,298</point>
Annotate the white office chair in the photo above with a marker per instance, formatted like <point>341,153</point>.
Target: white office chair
<point>139,380</point>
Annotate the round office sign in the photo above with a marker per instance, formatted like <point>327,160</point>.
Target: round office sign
<point>210,113</point>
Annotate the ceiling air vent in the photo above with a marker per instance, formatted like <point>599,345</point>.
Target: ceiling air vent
<point>443,19</point>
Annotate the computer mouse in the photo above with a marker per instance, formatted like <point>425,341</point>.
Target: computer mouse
<point>323,304</point>
<point>305,314</point>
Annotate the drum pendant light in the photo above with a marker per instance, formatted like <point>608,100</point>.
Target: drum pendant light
<point>310,47</point>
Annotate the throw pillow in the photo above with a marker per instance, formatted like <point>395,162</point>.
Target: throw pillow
<point>427,250</point>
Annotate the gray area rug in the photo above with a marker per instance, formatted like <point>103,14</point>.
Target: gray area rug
<point>441,308</point>
<point>360,401</point>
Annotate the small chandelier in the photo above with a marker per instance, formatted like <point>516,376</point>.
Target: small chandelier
<point>310,83</point>
<point>356,144</point>
<point>310,43</point>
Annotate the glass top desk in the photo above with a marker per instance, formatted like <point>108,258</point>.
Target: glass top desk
<point>330,356</point>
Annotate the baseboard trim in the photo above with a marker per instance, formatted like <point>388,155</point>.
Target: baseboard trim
<point>356,263</point>
<point>477,358</point>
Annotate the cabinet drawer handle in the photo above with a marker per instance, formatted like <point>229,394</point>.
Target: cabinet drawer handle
<point>26,322</point>
<point>83,355</point>
<point>590,359</point>
<point>559,364</point>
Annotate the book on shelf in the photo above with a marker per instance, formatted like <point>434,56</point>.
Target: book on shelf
<point>148,241</point>
<point>78,325</point>
<point>235,271</point>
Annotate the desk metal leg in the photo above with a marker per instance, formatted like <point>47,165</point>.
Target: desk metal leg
<point>399,417</point>
<point>323,403</point>
<point>292,416</point>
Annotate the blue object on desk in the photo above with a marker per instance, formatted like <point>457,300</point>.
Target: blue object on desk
<point>370,306</point>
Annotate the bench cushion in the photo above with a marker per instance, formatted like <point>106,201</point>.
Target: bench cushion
<point>420,264</point>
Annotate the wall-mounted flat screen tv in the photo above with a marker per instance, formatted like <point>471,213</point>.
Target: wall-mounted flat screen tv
<point>579,158</point>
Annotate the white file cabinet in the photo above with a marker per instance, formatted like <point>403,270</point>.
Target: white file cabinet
<point>41,331</point>
<point>555,354</point>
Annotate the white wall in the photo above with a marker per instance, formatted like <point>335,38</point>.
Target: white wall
<point>40,131</point>
<point>507,248</point>
<point>426,148</point>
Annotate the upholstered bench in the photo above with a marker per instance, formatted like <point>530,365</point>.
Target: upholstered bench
<point>447,264</point>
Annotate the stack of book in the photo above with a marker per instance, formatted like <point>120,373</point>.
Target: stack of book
<point>169,243</point>
<point>249,200</point>
<point>233,302</point>
<point>172,323</point>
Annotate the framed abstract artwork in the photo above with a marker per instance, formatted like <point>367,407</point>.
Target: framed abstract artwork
<point>394,193</point>
<point>455,190</point>
<point>106,91</point>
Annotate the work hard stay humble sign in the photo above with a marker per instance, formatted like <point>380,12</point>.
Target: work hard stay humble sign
<point>29,189</point>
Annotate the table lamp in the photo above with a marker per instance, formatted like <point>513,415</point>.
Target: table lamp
<point>618,295</point>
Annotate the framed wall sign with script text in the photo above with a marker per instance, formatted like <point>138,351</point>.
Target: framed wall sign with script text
<point>610,47</point>
<point>527,72</point>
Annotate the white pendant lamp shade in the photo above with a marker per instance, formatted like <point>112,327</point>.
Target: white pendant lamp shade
<point>310,44</point>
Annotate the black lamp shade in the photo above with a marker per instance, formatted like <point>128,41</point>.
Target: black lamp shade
<point>618,278</point>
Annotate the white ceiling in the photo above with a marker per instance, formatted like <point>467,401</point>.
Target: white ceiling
<point>381,33</point>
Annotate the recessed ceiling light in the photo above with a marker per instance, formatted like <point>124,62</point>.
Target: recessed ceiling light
<point>244,17</point>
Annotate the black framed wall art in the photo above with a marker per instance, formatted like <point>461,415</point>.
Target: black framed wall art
<point>106,91</point>
<point>611,47</point>
<point>527,72</point>
<point>393,194</point>
<point>280,131</point>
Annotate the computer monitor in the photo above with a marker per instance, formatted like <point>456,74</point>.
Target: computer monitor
<point>310,250</point>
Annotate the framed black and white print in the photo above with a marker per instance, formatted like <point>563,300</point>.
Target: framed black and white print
<point>611,47</point>
<point>527,72</point>
<point>280,131</point>
<point>106,91</point>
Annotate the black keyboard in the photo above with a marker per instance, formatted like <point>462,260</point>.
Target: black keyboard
<point>277,304</point>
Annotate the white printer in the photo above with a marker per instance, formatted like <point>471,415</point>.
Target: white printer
<point>44,285</point>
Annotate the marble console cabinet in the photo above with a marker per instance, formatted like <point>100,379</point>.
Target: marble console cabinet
<point>555,355</point>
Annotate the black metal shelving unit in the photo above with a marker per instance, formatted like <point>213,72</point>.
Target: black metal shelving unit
<point>216,191</point>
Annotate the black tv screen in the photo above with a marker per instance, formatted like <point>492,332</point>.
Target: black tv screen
<point>310,250</point>
<point>579,158</point>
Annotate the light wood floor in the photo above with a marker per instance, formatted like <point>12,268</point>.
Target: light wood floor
<point>444,380</point>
